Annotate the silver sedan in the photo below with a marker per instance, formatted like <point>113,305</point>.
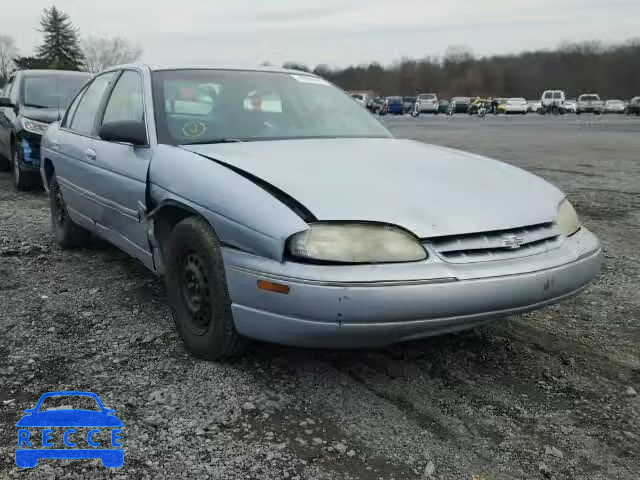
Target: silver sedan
<point>278,209</point>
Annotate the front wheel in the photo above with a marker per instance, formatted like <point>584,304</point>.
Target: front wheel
<point>22,180</point>
<point>68,234</point>
<point>197,291</point>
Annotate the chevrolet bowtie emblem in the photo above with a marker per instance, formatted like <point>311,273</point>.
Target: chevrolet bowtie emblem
<point>512,241</point>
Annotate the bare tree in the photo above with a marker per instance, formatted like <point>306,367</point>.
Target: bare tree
<point>103,52</point>
<point>8,52</point>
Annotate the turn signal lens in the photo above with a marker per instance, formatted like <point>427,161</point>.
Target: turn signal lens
<point>273,287</point>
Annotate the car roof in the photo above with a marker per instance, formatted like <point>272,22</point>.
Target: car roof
<point>158,68</point>
<point>67,73</point>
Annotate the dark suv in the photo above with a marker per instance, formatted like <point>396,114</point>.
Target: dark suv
<point>31,100</point>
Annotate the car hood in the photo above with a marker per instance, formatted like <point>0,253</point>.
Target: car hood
<point>47,115</point>
<point>427,189</point>
<point>69,418</point>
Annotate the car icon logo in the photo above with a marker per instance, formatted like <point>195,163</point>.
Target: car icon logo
<point>39,430</point>
<point>512,241</point>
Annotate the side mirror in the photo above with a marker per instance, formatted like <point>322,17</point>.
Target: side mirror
<point>6,102</point>
<point>124,132</point>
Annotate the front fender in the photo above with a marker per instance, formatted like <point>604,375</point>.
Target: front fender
<point>244,215</point>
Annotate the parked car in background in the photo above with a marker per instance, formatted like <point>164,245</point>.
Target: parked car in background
<point>552,101</point>
<point>242,212</point>
<point>590,103</point>
<point>461,103</point>
<point>395,105</point>
<point>514,105</point>
<point>633,107</point>
<point>34,99</point>
<point>614,106</point>
<point>534,106</point>
<point>375,104</point>
<point>428,103</point>
<point>569,106</point>
<point>360,98</point>
<point>409,103</point>
<point>443,105</point>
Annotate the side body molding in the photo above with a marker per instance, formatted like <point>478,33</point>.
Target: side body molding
<point>243,214</point>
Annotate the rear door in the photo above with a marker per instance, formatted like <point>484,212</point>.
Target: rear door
<point>75,161</point>
<point>120,175</point>
<point>8,116</point>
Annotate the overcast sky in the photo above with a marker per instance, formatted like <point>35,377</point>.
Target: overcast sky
<point>335,32</point>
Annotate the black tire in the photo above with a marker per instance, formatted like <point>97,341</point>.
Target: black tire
<point>68,234</point>
<point>22,180</point>
<point>5,164</point>
<point>197,292</point>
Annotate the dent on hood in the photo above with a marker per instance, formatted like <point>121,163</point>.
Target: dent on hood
<point>431,191</point>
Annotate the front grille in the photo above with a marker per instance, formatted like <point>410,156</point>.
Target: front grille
<point>497,245</point>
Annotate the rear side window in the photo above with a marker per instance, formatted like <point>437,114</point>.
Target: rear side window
<point>85,115</point>
<point>72,109</point>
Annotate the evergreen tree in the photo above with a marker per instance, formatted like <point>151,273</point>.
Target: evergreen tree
<point>61,47</point>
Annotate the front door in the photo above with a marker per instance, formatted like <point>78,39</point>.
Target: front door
<point>121,174</point>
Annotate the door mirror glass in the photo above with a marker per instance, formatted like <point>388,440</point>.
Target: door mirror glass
<point>125,131</point>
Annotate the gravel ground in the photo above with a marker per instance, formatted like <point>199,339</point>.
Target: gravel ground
<point>549,394</point>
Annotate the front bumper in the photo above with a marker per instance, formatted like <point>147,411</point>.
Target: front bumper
<point>372,305</point>
<point>30,149</point>
<point>428,107</point>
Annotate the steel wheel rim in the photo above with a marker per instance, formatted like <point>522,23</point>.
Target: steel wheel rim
<point>196,292</point>
<point>59,207</point>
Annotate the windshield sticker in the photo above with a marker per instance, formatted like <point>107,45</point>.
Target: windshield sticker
<point>194,129</point>
<point>309,79</point>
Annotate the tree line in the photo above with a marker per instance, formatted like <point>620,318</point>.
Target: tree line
<point>63,49</point>
<point>613,71</point>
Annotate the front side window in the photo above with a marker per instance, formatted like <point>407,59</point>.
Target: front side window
<point>85,115</point>
<point>51,91</point>
<point>125,103</point>
<point>205,106</point>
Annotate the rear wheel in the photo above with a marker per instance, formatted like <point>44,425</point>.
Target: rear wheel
<point>68,234</point>
<point>197,291</point>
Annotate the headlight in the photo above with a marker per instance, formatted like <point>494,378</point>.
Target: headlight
<point>34,126</point>
<point>356,243</point>
<point>567,218</point>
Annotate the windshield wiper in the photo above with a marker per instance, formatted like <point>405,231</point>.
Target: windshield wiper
<point>35,105</point>
<point>216,140</point>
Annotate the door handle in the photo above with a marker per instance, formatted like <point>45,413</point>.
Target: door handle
<point>90,154</point>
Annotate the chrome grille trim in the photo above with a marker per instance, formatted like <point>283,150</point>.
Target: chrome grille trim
<point>488,246</point>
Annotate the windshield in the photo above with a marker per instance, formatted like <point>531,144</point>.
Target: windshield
<point>207,106</point>
<point>428,96</point>
<point>588,98</point>
<point>51,91</point>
